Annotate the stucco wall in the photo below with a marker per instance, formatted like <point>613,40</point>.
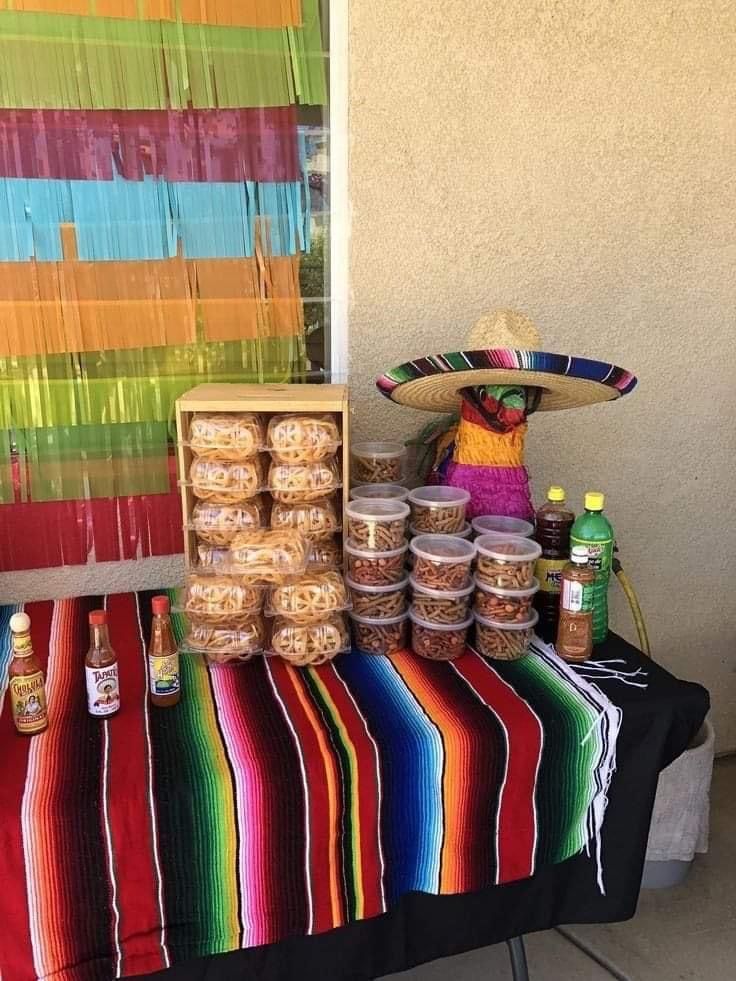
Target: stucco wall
<point>574,160</point>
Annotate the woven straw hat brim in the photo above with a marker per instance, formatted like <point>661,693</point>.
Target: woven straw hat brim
<point>433,383</point>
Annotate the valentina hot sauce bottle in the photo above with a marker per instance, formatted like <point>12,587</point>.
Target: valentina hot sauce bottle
<point>101,669</point>
<point>26,685</point>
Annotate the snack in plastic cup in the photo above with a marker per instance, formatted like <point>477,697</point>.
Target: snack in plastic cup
<point>378,462</point>
<point>377,525</point>
<point>217,524</point>
<point>369,568</point>
<point>438,510</point>
<point>378,602</point>
<point>438,642</point>
<point>379,636</point>
<point>226,435</point>
<point>506,562</point>
<point>298,438</point>
<point>502,526</point>
<point>309,597</point>
<point>314,519</point>
<point>442,561</point>
<point>504,641</point>
<point>440,605</point>
<point>504,605</point>
<point>465,532</point>
<point>309,644</point>
<point>221,601</point>
<point>294,483</point>
<point>384,492</point>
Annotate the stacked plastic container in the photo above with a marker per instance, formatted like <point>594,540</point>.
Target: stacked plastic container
<point>375,553</point>
<point>504,592</point>
<point>267,524</point>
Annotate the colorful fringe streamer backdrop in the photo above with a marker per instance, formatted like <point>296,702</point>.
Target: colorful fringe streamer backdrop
<point>154,208</point>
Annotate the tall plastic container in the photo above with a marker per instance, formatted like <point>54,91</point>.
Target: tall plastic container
<point>554,521</point>
<point>593,530</point>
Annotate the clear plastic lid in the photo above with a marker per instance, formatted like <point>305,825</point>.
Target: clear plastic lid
<point>268,553</point>
<point>359,587</point>
<point>292,432</point>
<point>442,548</point>
<point>379,621</point>
<point>448,594</point>
<point>234,435</point>
<point>313,519</point>
<point>364,553</point>
<point>464,532</point>
<point>384,492</point>
<point>378,449</point>
<point>225,481</point>
<point>502,591</point>
<point>217,524</point>
<point>443,627</point>
<point>508,625</point>
<point>215,598</point>
<point>502,526</point>
<point>377,510</point>
<point>312,643</point>
<point>296,482</point>
<point>225,641</point>
<point>311,596</point>
<point>508,549</point>
<point>439,496</point>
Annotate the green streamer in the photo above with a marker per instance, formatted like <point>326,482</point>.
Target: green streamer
<point>134,386</point>
<point>6,474</point>
<point>62,61</point>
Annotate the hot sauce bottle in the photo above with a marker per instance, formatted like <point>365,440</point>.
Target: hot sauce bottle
<point>164,680</point>
<point>101,669</point>
<point>26,685</point>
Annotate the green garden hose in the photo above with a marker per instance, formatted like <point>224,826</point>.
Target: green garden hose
<point>641,627</point>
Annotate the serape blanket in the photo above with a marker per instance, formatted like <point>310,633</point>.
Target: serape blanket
<point>275,801</point>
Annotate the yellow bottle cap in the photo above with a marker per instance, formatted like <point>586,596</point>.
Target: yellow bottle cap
<point>556,494</point>
<point>595,501</point>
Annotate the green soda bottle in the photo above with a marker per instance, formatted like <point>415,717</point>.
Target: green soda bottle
<point>593,530</point>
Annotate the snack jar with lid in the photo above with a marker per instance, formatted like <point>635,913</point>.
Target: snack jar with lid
<point>316,520</point>
<point>378,462</point>
<point>378,602</point>
<point>504,641</point>
<point>506,562</point>
<point>438,509</point>
<point>226,435</point>
<point>438,641</point>
<point>440,605</point>
<point>310,643</point>
<point>224,644</point>
<point>217,524</point>
<point>384,492</point>
<point>382,635</point>
<point>221,601</point>
<point>299,438</point>
<point>293,483</point>
<point>501,526</point>
<point>225,481</point>
<point>442,561</point>
<point>377,525</point>
<point>506,605</point>
<point>325,554</point>
<point>309,597</point>
<point>369,568</point>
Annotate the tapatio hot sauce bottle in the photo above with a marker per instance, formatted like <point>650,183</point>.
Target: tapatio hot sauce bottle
<point>26,685</point>
<point>164,680</point>
<point>101,669</point>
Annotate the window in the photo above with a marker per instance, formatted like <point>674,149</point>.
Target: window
<point>166,200</point>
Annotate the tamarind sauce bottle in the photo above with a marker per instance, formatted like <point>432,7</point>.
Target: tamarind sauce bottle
<point>575,629</point>
<point>26,683</point>
<point>554,521</point>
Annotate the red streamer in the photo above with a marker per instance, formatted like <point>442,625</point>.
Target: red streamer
<point>258,144</point>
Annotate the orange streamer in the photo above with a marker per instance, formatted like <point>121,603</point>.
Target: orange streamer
<point>228,13</point>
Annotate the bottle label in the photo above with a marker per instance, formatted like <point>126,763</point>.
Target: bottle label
<point>28,702</point>
<point>22,644</point>
<point>577,597</point>
<point>600,554</point>
<point>549,574</point>
<point>103,690</point>
<point>163,674</point>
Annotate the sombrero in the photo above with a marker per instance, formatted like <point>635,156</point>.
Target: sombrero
<point>503,348</point>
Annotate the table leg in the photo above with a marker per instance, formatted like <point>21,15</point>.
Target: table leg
<point>517,956</point>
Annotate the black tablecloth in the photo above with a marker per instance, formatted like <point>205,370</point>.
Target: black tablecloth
<point>658,723</point>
